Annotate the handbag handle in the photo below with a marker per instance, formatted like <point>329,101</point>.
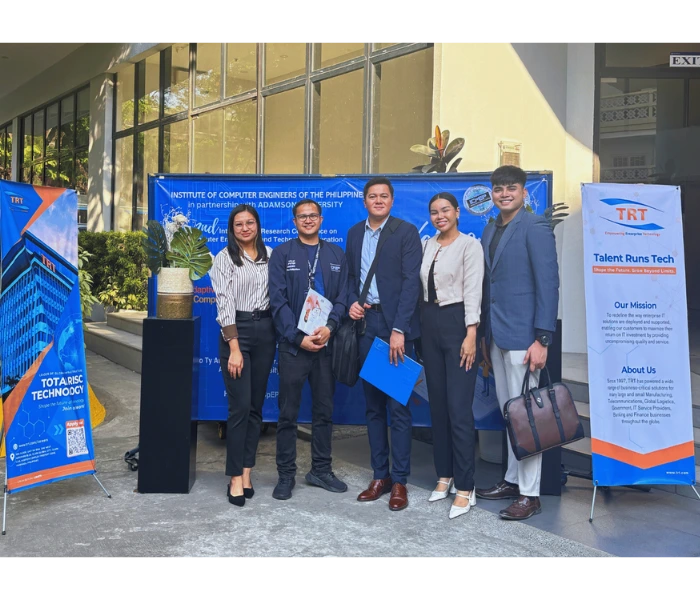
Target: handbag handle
<point>525,388</point>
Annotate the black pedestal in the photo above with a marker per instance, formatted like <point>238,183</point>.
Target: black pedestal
<point>169,385</point>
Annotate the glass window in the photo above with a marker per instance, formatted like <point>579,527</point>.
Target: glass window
<point>148,143</point>
<point>38,174</point>
<point>149,100</point>
<point>208,146</point>
<point>52,129</point>
<point>65,166</point>
<point>81,172</point>
<point>176,147</point>
<point>240,137</point>
<point>284,61</point>
<point>208,74</point>
<point>38,135</point>
<point>284,132</point>
<point>8,153</point>
<point>402,110</point>
<point>125,98</point>
<point>82,135</point>
<point>644,55</point>
<point>52,175</point>
<point>332,54</point>
<point>340,107</point>
<point>694,112</point>
<point>26,145</point>
<point>642,139</point>
<point>241,68</point>
<point>67,117</point>
<point>123,182</point>
<point>177,79</point>
<point>3,154</point>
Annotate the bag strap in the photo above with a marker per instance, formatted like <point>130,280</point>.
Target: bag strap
<point>388,229</point>
<point>533,425</point>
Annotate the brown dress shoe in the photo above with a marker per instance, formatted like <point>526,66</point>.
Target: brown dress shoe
<point>376,488</point>
<point>501,490</point>
<point>523,508</point>
<point>399,497</point>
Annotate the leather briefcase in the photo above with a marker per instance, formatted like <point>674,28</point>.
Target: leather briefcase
<point>345,353</point>
<point>540,419</point>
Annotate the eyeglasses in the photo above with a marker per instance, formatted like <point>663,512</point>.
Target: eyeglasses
<point>313,217</point>
<point>240,224</point>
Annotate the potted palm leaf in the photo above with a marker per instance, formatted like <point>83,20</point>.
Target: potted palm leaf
<point>177,254</point>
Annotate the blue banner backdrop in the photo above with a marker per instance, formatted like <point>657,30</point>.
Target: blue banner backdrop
<point>44,377</point>
<point>207,200</point>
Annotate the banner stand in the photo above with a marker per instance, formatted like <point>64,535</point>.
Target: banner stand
<point>637,337</point>
<point>7,493</point>
<point>595,489</point>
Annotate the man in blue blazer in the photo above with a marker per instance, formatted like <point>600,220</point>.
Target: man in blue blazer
<point>519,316</point>
<point>389,312</point>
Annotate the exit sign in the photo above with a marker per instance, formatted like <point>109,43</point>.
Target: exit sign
<point>685,59</point>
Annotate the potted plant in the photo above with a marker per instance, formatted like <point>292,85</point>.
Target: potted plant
<point>177,254</point>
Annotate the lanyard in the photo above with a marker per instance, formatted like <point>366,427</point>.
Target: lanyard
<point>312,270</point>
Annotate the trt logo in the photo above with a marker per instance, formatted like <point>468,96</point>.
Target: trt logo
<point>16,200</point>
<point>632,214</point>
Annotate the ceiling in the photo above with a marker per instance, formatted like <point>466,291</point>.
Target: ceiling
<point>20,63</point>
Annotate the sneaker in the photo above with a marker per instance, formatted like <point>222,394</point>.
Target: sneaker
<point>327,481</point>
<point>283,489</point>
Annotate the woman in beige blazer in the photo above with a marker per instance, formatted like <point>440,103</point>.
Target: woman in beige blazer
<point>451,273</point>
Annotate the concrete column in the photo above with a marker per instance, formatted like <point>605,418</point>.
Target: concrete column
<point>100,163</point>
<point>580,162</point>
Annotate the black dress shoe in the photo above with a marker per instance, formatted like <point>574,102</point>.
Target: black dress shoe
<point>248,492</point>
<point>237,500</point>
<point>503,489</point>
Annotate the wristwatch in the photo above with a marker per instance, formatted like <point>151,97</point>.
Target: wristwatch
<point>544,339</point>
<point>331,326</point>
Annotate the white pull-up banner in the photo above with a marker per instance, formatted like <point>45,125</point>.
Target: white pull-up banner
<point>637,323</point>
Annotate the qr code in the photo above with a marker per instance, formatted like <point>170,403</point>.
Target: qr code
<point>75,438</point>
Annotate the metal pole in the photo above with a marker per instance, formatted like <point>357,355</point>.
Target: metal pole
<point>4,503</point>
<point>696,491</point>
<point>103,487</point>
<point>595,489</point>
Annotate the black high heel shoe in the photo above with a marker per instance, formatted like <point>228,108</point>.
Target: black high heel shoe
<point>236,500</point>
<point>248,492</point>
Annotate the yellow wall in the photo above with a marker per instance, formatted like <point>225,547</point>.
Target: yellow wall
<point>541,96</point>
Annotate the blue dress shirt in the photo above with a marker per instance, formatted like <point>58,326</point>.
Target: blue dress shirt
<point>369,250</point>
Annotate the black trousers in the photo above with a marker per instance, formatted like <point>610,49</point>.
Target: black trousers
<point>246,394</point>
<point>294,371</point>
<point>451,392</point>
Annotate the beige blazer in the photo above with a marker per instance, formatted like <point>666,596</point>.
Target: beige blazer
<point>459,274</point>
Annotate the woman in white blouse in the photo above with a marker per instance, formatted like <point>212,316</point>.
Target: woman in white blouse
<point>247,343</point>
<point>452,275</point>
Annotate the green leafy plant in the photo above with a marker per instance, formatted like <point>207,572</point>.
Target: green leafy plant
<point>441,151</point>
<point>187,249</point>
<point>117,267</point>
<point>85,284</point>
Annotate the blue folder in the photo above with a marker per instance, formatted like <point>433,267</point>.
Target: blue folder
<point>397,382</point>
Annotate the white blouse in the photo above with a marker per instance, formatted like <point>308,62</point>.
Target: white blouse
<point>238,288</point>
<point>459,274</point>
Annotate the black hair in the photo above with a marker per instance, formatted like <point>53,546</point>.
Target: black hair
<point>445,196</point>
<point>378,181</point>
<point>306,201</point>
<point>508,175</point>
<point>234,249</point>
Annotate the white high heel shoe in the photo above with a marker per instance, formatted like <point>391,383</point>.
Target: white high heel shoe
<point>457,511</point>
<point>442,495</point>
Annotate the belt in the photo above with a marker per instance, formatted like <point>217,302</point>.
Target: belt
<point>376,307</point>
<point>256,315</point>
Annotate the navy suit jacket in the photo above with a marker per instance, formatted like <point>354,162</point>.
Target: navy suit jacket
<point>397,275</point>
<point>521,286</point>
